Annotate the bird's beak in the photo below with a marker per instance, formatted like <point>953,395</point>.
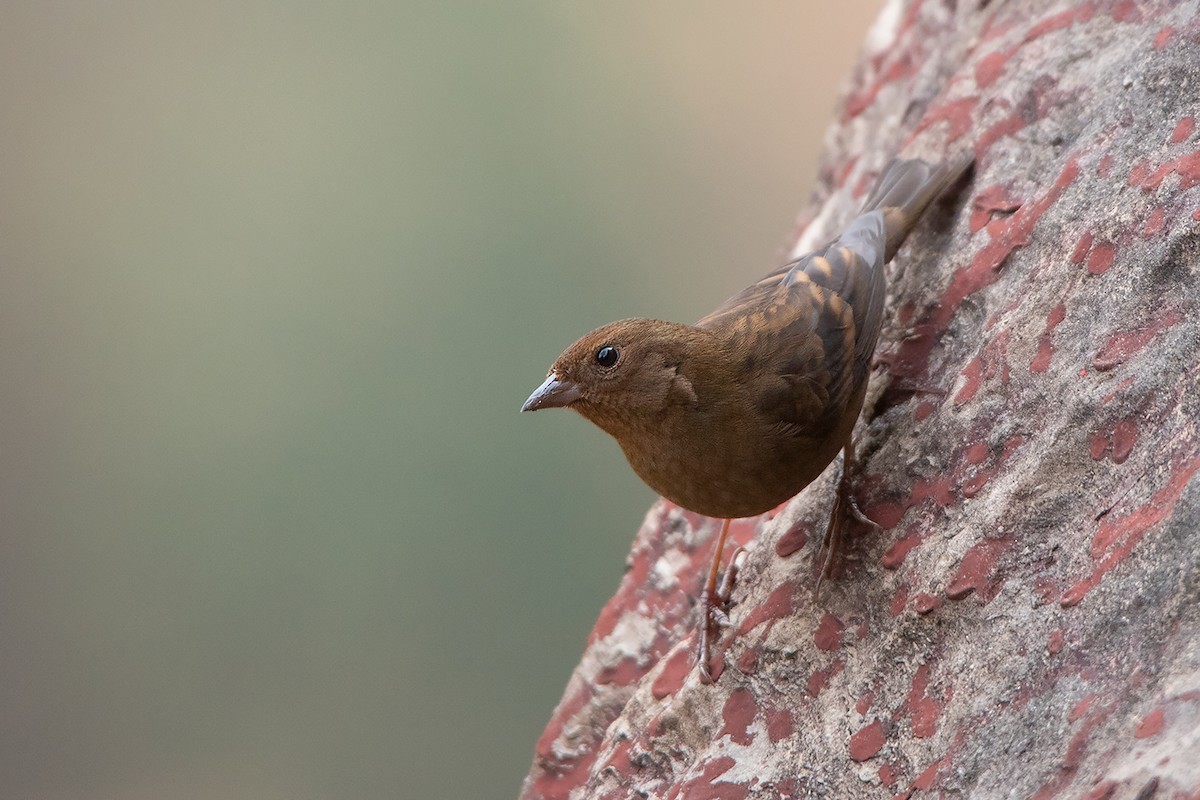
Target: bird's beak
<point>555,392</point>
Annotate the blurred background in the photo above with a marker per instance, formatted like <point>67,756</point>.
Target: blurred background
<point>274,279</point>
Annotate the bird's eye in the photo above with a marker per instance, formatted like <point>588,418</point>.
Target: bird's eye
<point>607,356</point>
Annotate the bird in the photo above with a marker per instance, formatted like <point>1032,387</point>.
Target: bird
<point>732,416</point>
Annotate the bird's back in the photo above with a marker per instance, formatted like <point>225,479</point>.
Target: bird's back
<point>846,274</point>
<point>803,336</point>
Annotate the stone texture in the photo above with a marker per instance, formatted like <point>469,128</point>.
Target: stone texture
<point>1026,623</point>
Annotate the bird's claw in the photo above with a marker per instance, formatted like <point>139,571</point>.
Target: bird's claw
<point>862,519</point>
<point>719,617</point>
<point>844,505</point>
<point>716,613</point>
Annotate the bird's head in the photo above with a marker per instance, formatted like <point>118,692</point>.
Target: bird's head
<point>625,374</point>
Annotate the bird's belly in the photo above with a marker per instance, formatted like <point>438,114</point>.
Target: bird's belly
<point>730,478</point>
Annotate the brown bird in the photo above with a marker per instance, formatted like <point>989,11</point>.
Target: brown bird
<point>732,416</point>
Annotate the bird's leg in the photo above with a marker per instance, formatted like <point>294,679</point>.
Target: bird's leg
<point>844,505</point>
<point>715,601</point>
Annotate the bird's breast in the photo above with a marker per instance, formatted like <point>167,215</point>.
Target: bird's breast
<point>727,469</point>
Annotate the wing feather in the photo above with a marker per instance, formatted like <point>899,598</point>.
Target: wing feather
<point>803,335</point>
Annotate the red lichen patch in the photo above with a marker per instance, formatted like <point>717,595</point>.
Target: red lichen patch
<point>1187,167</point>
<point>899,600</point>
<point>788,787</point>
<point>1126,11</point>
<point>989,68</point>
<point>1124,436</point>
<point>976,453</point>
<point>828,636</point>
<point>779,725</point>
<point>674,673</point>
<point>1117,538</point>
<point>1151,724</point>
<point>976,482</point>
<point>939,489</point>
<point>926,408</point>
<point>1082,249</point>
<point>742,531</point>
<point>903,67</point>
<point>887,775</point>
<point>972,379</point>
<point>957,114</point>
<point>1139,172</point>
<point>1105,166</point>
<point>1103,540</point>
<point>747,662</point>
<point>556,784</point>
<point>738,714</point>
<point>561,775</point>
<point>900,548</point>
<point>1102,791</point>
<point>923,708</point>
<point>1163,37</point>
<point>625,672</point>
<point>911,358</point>
<point>926,778</point>
<point>988,202</point>
<point>1124,344</point>
<point>886,515</point>
<point>979,479</point>
<point>820,677</point>
<point>1009,234</point>
<point>716,666</point>
<point>567,709</point>
<point>1101,258</point>
<point>910,18</point>
<point>1061,21</point>
<point>1081,707</point>
<point>865,702</point>
<point>792,541</point>
<point>1121,437</point>
<point>618,760</point>
<point>1155,223</point>
<point>1183,130</point>
<point>1045,348</point>
<point>706,787</point>
<point>923,603</point>
<point>976,568</point>
<point>632,585</point>
<point>1076,750</point>
<point>867,742</point>
<point>779,604</point>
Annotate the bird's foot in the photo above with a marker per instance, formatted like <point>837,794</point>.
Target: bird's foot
<point>844,507</point>
<point>716,614</point>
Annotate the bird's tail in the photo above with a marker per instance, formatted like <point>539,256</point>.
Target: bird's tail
<point>905,189</point>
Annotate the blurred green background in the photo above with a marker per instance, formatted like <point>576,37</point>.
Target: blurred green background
<point>274,279</point>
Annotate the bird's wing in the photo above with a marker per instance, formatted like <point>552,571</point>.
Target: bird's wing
<point>803,335</point>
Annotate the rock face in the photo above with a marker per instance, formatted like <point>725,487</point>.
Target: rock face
<point>1026,624</point>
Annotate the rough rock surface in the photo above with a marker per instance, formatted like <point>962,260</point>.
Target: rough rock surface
<point>1026,623</point>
